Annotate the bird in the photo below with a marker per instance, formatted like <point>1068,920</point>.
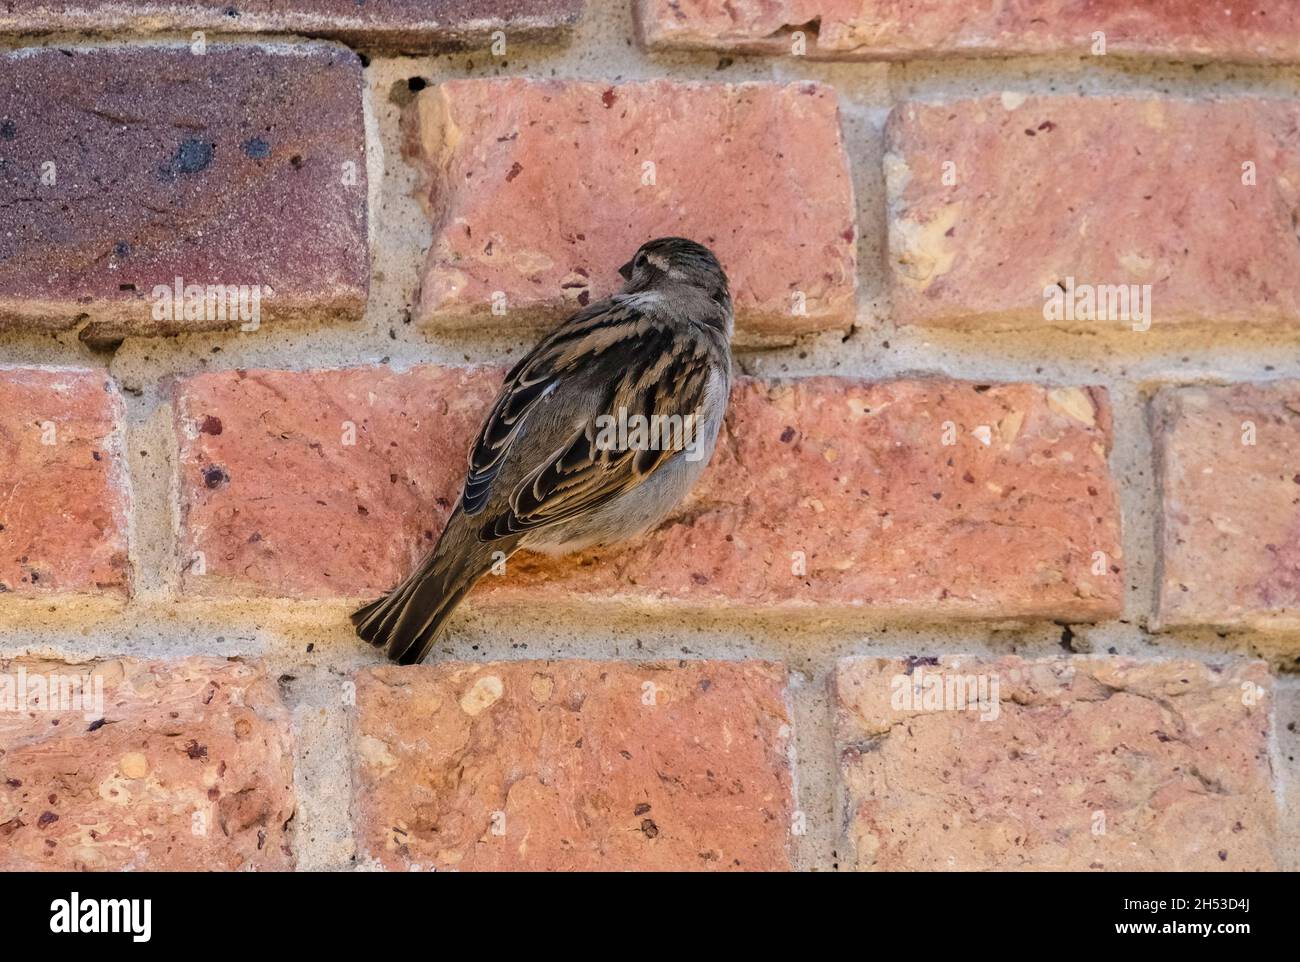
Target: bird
<point>568,457</point>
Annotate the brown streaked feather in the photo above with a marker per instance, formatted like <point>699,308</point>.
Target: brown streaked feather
<point>655,372</point>
<point>586,334</point>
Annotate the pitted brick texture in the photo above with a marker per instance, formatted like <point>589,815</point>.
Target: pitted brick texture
<point>320,484</point>
<point>188,767</point>
<point>575,765</point>
<point>1256,30</point>
<point>998,204</point>
<point>540,190</point>
<point>1230,482</point>
<point>1067,764</point>
<point>64,494</point>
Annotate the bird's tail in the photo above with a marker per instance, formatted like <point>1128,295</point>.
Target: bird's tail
<point>407,620</point>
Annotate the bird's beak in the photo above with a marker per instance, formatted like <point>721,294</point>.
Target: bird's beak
<point>626,271</point>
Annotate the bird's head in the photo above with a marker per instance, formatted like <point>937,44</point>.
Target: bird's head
<point>667,262</point>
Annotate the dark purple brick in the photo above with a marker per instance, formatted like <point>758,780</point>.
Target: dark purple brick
<point>244,167</point>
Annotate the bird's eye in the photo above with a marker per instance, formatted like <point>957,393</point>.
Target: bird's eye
<point>640,260</point>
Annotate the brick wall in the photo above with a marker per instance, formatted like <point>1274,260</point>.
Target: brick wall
<point>991,569</point>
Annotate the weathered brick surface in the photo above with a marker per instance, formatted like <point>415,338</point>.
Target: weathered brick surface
<point>64,496</point>
<point>1043,190</point>
<point>190,769</point>
<point>401,25</point>
<point>748,25</point>
<point>1086,763</point>
<point>888,29</point>
<point>1229,462</point>
<point>575,765</point>
<point>276,501</point>
<point>134,166</point>
<point>855,476</point>
<point>539,190</point>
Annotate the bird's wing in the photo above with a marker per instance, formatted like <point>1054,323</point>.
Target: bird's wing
<point>653,369</point>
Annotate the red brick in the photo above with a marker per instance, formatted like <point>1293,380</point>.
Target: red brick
<point>906,29</point>
<point>575,765</point>
<point>855,475</point>
<point>190,769</point>
<point>1072,764</point>
<point>536,191</point>
<point>1229,467</point>
<point>1095,189</point>
<point>273,502</point>
<point>410,26</point>
<point>221,169</point>
<point>64,491</point>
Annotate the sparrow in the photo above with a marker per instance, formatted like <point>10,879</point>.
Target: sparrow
<point>569,457</point>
